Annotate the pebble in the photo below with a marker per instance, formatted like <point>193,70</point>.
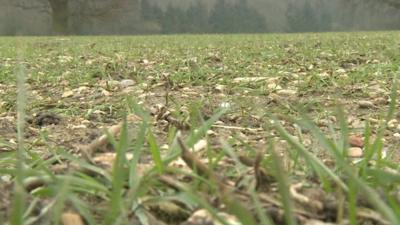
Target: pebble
<point>164,147</point>
<point>355,152</point>
<point>127,83</point>
<point>105,92</point>
<point>67,94</point>
<point>249,79</point>
<point>211,133</point>
<point>225,105</point>
<point>274,87</point>
<point>365,104</point>
<point>396,136</point>
<point>82,89</point>
<point>131,90</point>
<point>392,123</point>
<point>356,141</point>
<point>219,88</point>
<point>200,145</point>
<point>77,127</point>
<point>286,92</point>
<point>341,70</point>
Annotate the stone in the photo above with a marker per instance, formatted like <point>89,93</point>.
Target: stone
<point>249,79</point>
<point>393,123</point>
<point>355,152</point>
<point>356,141</point>
<point>286,92</point>
<point>127,83</point>
<point>365,104</point>
<point>220,88</point>
<point>67,94</point>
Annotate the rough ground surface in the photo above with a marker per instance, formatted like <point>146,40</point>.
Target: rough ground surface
<point>76,87</point>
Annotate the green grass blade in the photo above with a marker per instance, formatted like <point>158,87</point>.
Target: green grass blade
<point>18,202</point>
<point>83,209</point>
<point>201,132</point>
<point>137,151</point>
<point>263,217</point>
<point>344,131</point>
<point>62,196</point>
<point>155,152</point>
<point>118,175</point>
<point>309,157</point>
<point>283,186</point>
<point>242,213</point>
<point>194,137</point>
<point>84,164</point>
<point>352,198</point>
<point>370,193</point>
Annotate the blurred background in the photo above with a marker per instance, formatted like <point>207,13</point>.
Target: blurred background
<point>124,17</point>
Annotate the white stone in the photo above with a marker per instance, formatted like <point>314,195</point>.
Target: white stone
<point>286,92</point>
<point>127,83</point>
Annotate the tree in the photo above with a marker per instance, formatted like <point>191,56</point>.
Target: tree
<point>197,18</point>
<point>60,16</point>
<point>219,17</point>
<point>150,12</point>
<point>64,16</point>
<point>325,18</point>
<point>368,14</point>
<point>392,3</point>
<point>235,18</point>
<point>171,22</point>
<point>302,18</point>
<point>248,20</point>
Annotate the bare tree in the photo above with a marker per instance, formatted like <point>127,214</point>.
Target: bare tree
<point>61,12</point>
<point>392,3</point>
<point>60,16</point>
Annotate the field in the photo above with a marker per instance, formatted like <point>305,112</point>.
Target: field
<point>196,130</point>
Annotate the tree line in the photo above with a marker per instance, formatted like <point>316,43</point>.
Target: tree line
<point>225,17</point>
<point>85,17</point>
<point>237,17</point>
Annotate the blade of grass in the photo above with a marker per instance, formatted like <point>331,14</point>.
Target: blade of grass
<point>319,166</point>
<point>84,164</point>
<point>377,146</point>
<point>18,202</point>
<point>85,183</point>
<point>382,177</point>
<point>118,177</point>
<point>175,151</point>
<point>155,152</point>
<point>242,213</point>
<point>61,198</point>
<point>195,136</point>
<point>368,151</point>
<point>204,204</point>
<point>352,195</point>
<point>344,131</point>
<point>283,186</point>
<point>138,149</point>
<point>372,196</point>
<point>83,209</point>
<point>264,218</point>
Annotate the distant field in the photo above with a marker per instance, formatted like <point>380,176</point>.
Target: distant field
<point>255,129</point>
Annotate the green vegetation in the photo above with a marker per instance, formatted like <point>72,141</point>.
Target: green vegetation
<point>225,17</point>
<point>253,129</point>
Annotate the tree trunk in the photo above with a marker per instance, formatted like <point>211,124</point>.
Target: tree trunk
<point>60,16</point>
